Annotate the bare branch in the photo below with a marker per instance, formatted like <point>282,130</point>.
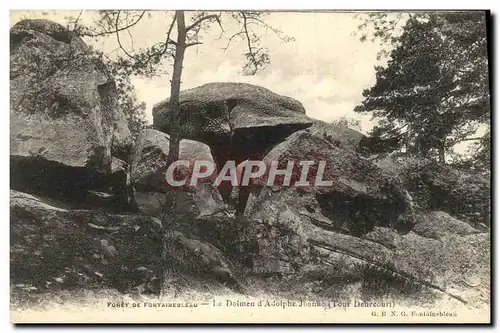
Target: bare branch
<point>238,34</point>
<point>75,29</point>
<point>193,44</point>
<point>249,44</point>
<point>204,18</point>
<point>107,32</point>
<point>196,27</point>
<point>130,35</point>
<point>168,35</point>
<point>78,18</point>
<point>118,37</point>
<point>114,50</point>
<point>472,139</point>
<point>277,32</point>
<point>221,27</point>
<point>154,53</point>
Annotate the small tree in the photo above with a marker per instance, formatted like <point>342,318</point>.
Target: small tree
<point>146,61</point>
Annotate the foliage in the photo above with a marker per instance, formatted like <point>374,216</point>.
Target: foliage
<point>477,159</point>
<point>462,193</point>
<point>433,92</point>
<point>348,122</point>
<point>128,103</point>
<point>135,113</point>
<point>134,110</point>
<point>383,28</point>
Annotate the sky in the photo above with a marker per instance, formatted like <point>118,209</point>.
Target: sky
<point>326,67</point>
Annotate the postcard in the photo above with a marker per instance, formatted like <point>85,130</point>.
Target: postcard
<point>250,166</point>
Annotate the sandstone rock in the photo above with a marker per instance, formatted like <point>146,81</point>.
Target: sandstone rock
<point>340,136</point>
<point>285,221</point>
<point>235,236</point>
<point>439,187</point>
<point>148,177</point>
<point>75,187</point>
<point>301,251</point>
<point>63,112</point>
<point>351,226</point>
<point>440,224</point>
<point>55,101</point>
<point>196,258</point>
<point>236,120</point>
<point>361,195</point>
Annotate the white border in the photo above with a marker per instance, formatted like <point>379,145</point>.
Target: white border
<point>185,4</point>
<point>258,4</point>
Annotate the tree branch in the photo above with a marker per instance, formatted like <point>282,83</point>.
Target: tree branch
<point>168,35</point>
<point>249,44</point>
<point>204,18</point>
<point>193,44</point>
<point>472,139</point>
<point>104,33</point>
<point>231,39</point>
<point>118,37</point>
<point>78,18</point>
<point>74,32</point>
<point>277,32</point>
<point>130,35</point>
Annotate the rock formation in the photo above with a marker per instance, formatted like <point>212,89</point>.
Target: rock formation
<point>236,120</point>
<point>151,189</point>
<point>73,173</point>
<point>64,120</point>
<point>340,136</point>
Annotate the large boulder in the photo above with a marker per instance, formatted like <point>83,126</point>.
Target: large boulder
<point>438,224</point>
<point>237,120</point>
<point>194,260</point>
<point>64,118</point>
<point>151,189</point>
<point>360,196</point>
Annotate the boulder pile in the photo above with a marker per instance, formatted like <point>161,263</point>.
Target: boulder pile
<point>88,204</point>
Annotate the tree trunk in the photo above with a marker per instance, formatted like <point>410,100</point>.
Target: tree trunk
<point>168,272</point>
<point>441,151</point>
<point>180,48</point>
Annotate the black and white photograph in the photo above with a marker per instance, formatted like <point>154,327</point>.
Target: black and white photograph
<point>250,166</point>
